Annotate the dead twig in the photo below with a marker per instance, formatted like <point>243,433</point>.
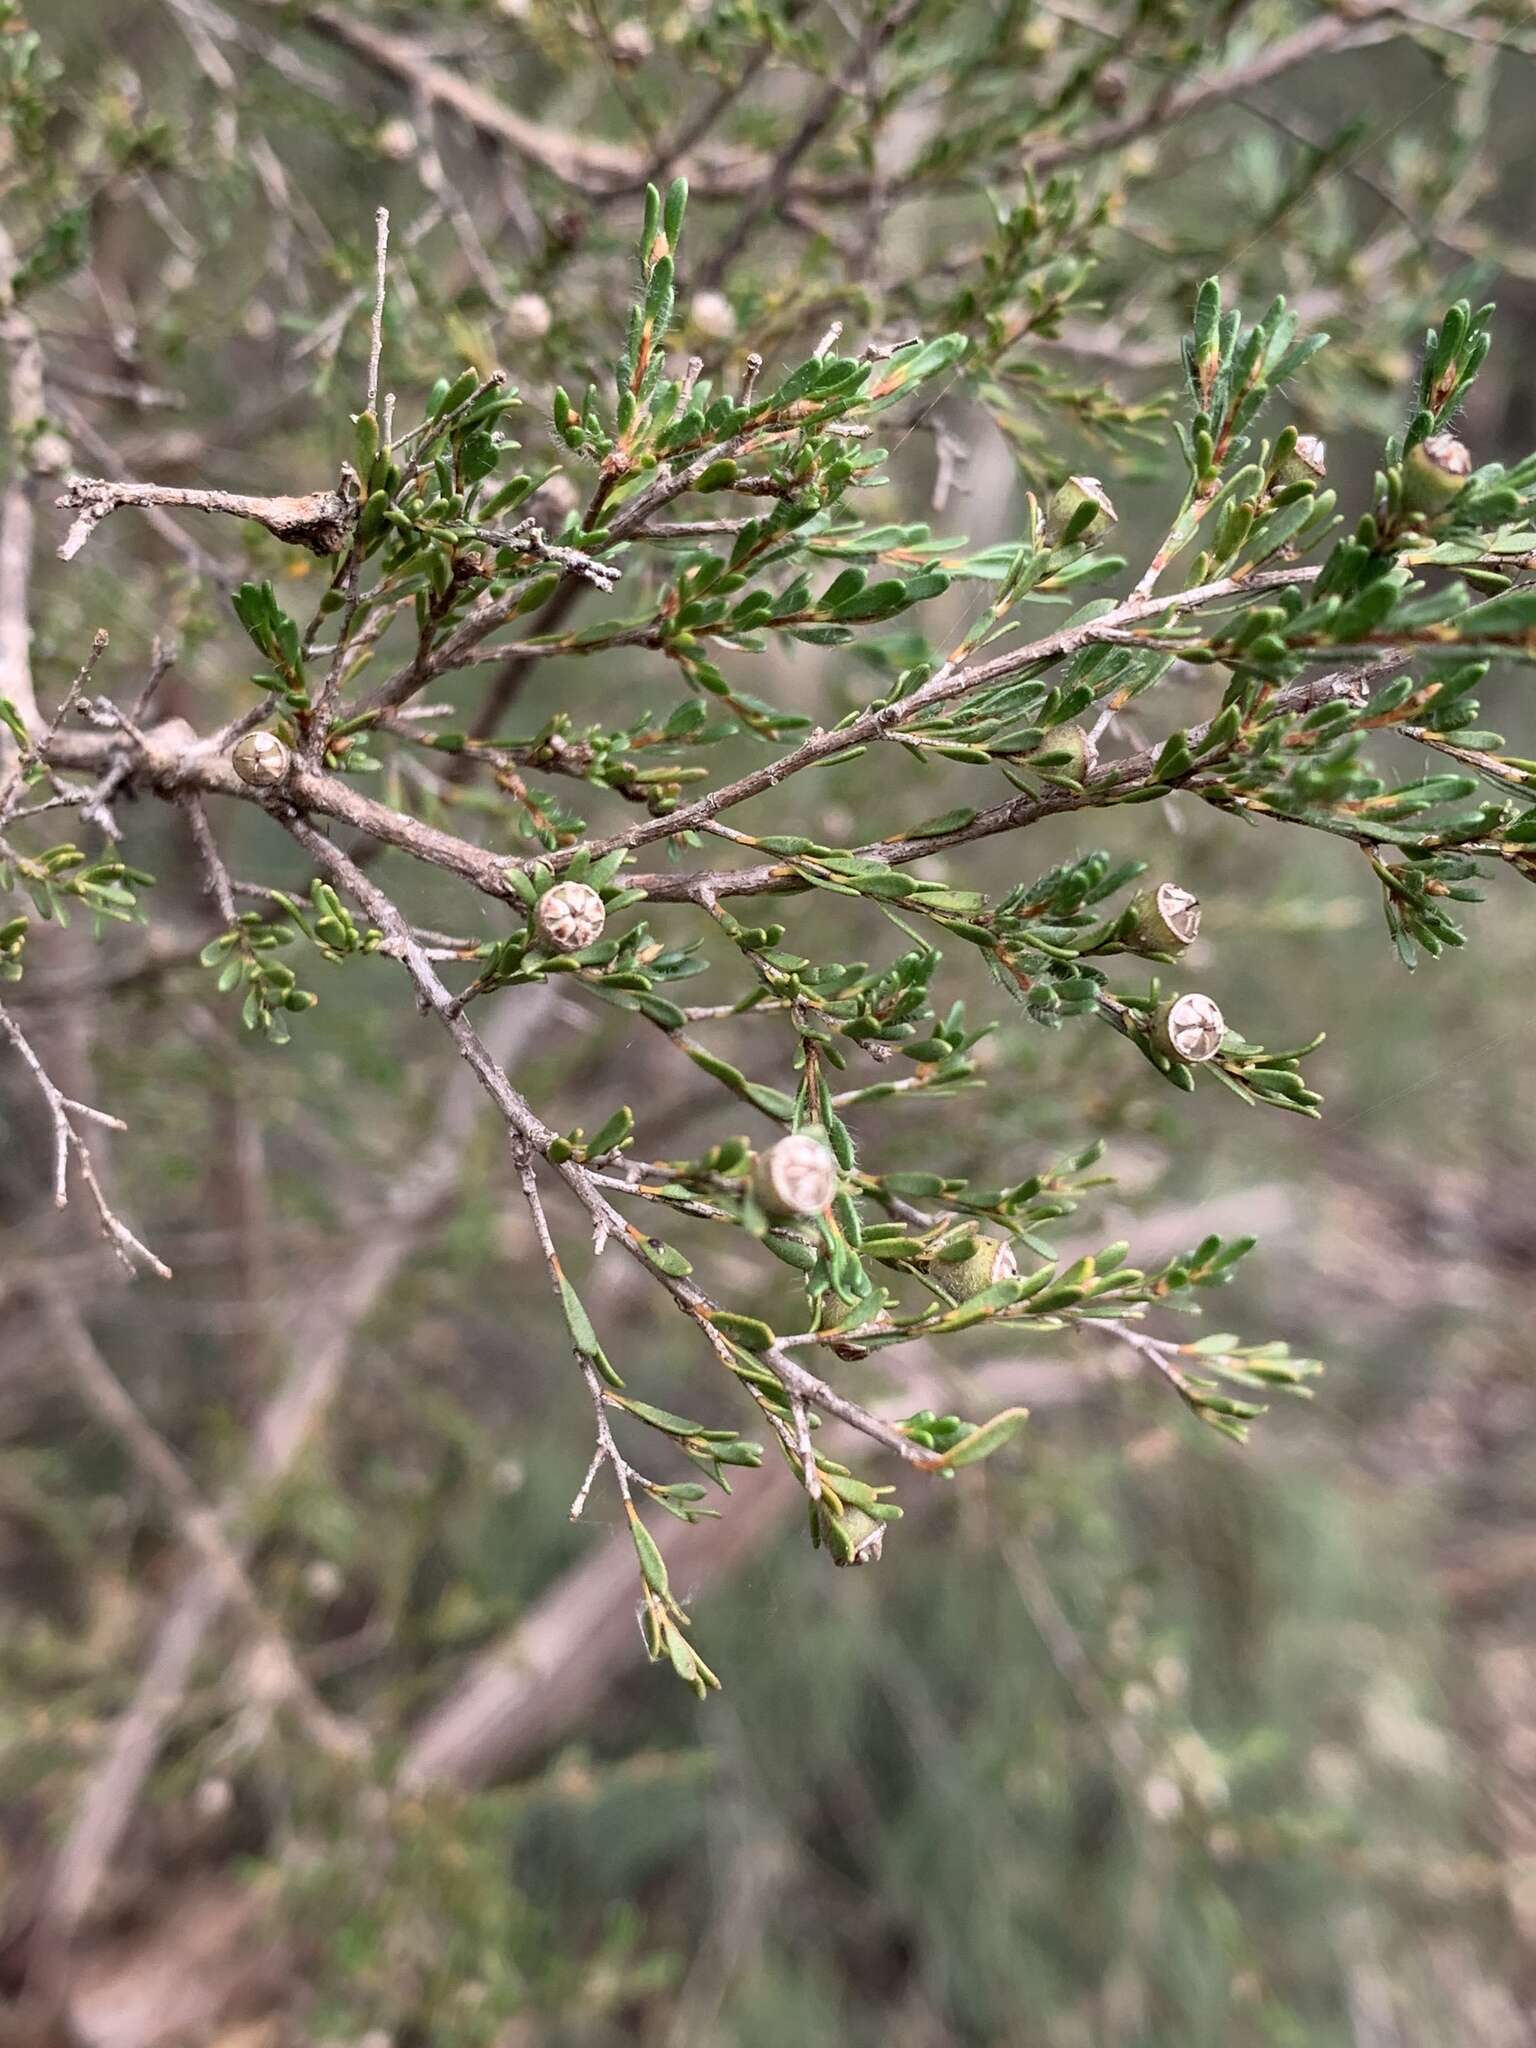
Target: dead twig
<point>318,520</point>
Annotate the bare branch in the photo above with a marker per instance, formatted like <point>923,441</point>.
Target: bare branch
<point>64,1111</point>
<point>320,1348</point>
<point>24,355</point>
<point>381,287</point>
<point>318,520</point>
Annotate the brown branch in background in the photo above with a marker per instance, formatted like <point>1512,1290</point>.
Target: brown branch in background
<point>549,1673</point>
<point>196,1523</point>
<point>606,169</point>
<point>24,357</point>
<point>583,161</point>
<point>319,1351</point>
<point>1351,28</point>
<point>768,197</point>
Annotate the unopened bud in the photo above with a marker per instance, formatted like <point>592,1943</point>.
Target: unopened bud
<point>712,316</point>
<point>396,140</point>
<point>212,1798</point>
<point>1081,510</point>
<point>1069,751</point>
<point>1189,1028</point>
<point>323,1580</point>
<point>795,1177</point>
<point>528,316</point>
<point>1167,919</point>
<point>992,1260</point>
<point>569,916</point>
<point>1435,473</point>
<point>261,759</point>
<point>630,43</point>
<point>835,1312</point>
<point>1307,462</point>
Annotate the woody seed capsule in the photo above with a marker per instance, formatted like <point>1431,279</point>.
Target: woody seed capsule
<point>853,1537</point>
<point>1435,473</point>
<point>992,1260</point>
<point>569,916</point>
<point>528,316</point>
<point>1078,748</point>
<point>261,759</point>
<point>1189,1028</point>
<point>1167,920</point>
<point>1067,503</point>
<point>1307,462</point>
<point>795,1177</point>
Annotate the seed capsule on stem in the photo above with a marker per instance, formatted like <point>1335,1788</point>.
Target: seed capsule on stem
<point>795,1177</point>
<point>1307,462</point>
<point>853,1537</point>
<point>992,1260</point>
<point>1435,473</point>
<point>569,916</point>
<point>1077,746</point>
<point>261,759</point>
<point>1081,510</point>
<point>1189,1028</point>
<point>1167,919</point>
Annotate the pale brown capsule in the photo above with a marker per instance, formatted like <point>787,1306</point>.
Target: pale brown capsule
<point>1307,462</point>
<point>1189,1028</point>
<point>528,316</point>
<point>261,759</point>
<point>853,1537</point>
<point>1067,507</point>
<point>795,1177</point>
<point>569,916</point>
<point>1167,920</point>
<point>1435,473</point>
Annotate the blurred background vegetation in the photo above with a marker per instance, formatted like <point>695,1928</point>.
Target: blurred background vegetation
<point>1138,1738</point>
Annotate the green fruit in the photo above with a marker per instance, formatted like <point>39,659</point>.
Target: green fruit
<point>1167,919</point>
<point>1081,510</point>
<point>1435,474</point>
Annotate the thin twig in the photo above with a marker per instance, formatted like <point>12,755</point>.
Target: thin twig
<point>381,288</point>
<point>317,520</point>
<point>24,357</point>
<point>199,1527</point>
<point>63,1110</point>
<point>320,1348</point>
